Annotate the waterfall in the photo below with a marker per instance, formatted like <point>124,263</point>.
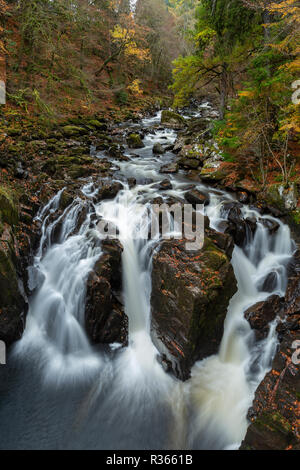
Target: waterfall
<point>121,397</point>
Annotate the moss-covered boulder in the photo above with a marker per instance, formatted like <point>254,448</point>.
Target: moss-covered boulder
<point>99,126</point>
<point>172,119</point>
<point>280,197</point>
<point>134,141</point>
<point>73,131</point>
<point>214,171</point>
<point>190,295</point>
<point>8,207</point>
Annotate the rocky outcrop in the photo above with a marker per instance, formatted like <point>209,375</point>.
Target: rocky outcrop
<point>13,300</point>
<point>105,319</point>
<point>190,295</point>
<point>275,412</point>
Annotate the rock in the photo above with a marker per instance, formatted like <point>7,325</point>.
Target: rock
<point>275,411</point>
<point>243,197</point>
<point>189,163</point>
<point>269,283</point>
<point>281,197</point>
<point>214,171</point>
<point>173,120</point>
<point>100,126</point>
<point>108,191</point>
<point>158,149</point>
<point>8,208</point>
<point>164,185</point>
<point>134,141</point>
<point>169,168</point>
<point>196,197</point>
<point>70,131</point>
<point>13,301</point>
<point>105,319</point>
<point>271,225</point>
<point>198,124</point>
<point>190,294</point>
<point>262,314</point>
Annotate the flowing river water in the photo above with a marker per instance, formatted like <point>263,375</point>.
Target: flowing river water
<point>59,392</point>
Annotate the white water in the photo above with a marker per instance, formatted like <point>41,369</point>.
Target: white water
<point>129,387</point>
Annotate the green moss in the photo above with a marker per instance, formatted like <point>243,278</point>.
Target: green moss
<point>8,206</point>
<point>134,141</point>
<point>70,131</point>
<point>274,422</point>
<point>296,216</point>
<point>168,117</point>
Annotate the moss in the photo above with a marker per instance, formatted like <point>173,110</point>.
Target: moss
<point>70,131</point>
<point>168,117</point>
<point>94,123</point>
<point>273,421</point>
<point>296,216</point>
<point>8,206</point>
<point>134,141</point>
<point>14,131</point>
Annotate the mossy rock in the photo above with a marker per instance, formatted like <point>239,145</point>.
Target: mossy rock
<point>280,197</point>
<point>79,171</point>
<point>134,141</point>
<point>172,119</point>
<point>8,206</point>
<point>94,123</point>
<point>72,131</point>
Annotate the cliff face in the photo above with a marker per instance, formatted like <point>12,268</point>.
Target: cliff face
<point>275,414</point>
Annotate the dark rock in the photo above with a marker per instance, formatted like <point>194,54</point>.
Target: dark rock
<point>105,319</point>
<point>196,197</point>
<point>275,412</point>
<point>243,197</point>
<point>13,301</point>
<point>164,185</point>
<point>158,149</point>
<point>190,295</point>
<point>262,314</point>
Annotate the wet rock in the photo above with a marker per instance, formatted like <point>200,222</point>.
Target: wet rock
<point>164,185</point>
<point>13,301</point>
<point>173,120</point>
<point>8,208</point>
<point>134,141</point>
<point>274,415</point>
<point>190,294</point>
<point>196,197</point>
<point>271,225</point>
<point>158,149</point>
<point>214,171</point>
<point>269,283</point>
<point>108,191</point>
<point>243,197</point>
<point>262,314</point>
<point>105,319</point>
<point>169,168</point>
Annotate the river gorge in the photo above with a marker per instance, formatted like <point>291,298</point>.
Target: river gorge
<point>138,343</point>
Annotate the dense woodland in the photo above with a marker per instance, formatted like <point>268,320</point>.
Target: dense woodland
<point>62,57</point>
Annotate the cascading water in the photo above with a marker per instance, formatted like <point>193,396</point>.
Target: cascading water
<point>68,394</point>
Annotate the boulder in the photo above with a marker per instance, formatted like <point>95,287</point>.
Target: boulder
<point>261,314</point>
<point>158,149</point>
<point>105,319</point>
<point>169,168</point>
<point>134,141</point>
<point>73,131</point>
<point>190,295</point>
<point>173,120</point>
<point>196,197</point>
